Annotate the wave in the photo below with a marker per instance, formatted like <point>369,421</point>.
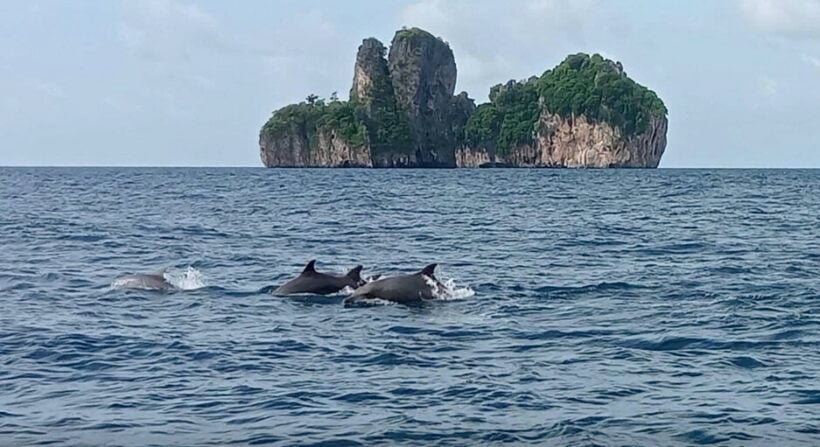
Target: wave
<point>599,287</point>
<point>678,335</point>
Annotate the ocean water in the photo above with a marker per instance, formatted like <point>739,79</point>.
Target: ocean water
<point>607,308</point>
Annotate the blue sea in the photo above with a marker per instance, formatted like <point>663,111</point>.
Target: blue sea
<point>589,308</point>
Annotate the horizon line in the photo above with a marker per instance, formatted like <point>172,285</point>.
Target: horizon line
<point>401,169</point>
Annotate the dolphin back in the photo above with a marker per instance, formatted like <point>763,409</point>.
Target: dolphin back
<point>312,282</point>
<point>142,281</point>
<point>399,289</point>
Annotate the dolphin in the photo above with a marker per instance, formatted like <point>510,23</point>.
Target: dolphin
<point>402,288</point>
<point>144,281</point>
<point>313,282</point>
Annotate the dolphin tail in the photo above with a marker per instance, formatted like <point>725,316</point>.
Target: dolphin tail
<point>309,268</point>
<point>355,274</point>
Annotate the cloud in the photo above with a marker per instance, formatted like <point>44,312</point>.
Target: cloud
<point>564,10</point>
<point>167,30</point>
<point>811,60</point>
<point>295,61</point>
<point>788,18</point>
<point>173,45</point>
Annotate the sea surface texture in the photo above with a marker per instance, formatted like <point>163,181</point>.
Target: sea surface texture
<point>606,308</point>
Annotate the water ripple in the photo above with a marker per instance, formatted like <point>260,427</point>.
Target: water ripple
<point>669,307</point>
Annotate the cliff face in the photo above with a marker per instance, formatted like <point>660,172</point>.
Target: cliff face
<point>579,143</point>
<point>423,72</point>
<point>371,78</point>
<point>586,112</point>
<point>576,143</point>
<point>372,94</point>
<point>325,148</point>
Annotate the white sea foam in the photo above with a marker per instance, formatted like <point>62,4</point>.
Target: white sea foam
<point>449,290</point>
<point>188,279</point>
<point>454,291</point>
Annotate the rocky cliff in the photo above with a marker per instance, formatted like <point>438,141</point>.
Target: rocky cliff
<point>372,97</point>
<point>586,112</point>
<point>323,147</point>
<point>315,134</point>
<point>423,72</point>
<point>575,142</point>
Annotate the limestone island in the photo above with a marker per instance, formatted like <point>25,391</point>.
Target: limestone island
<point>402,113</point>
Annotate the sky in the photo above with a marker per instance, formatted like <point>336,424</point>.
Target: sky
<point>189,83</point>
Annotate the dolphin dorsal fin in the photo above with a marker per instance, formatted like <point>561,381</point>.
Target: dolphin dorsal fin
<point>429,270</point>
<point>355,273</point>
<point>309,268</point>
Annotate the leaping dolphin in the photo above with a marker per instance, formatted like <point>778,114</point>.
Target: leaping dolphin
<point>402,288</point>
<point>312,282</point>
<point>144,281</point>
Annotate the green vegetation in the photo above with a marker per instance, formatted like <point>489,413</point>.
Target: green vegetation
<point>580,85</point>
<point>315,113</point>
<point>416,34</point>
<point>483,127</point>
<point>409,33</point>
<point>341,116</point>
<point>599,89</point>
<point>387,126</point>
<point>508,120</point>
<point>388,130</point>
